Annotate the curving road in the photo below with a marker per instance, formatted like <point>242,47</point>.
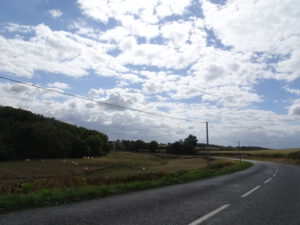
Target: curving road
<point>266,193</point>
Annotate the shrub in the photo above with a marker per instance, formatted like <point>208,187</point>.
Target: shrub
<point>294,155</point>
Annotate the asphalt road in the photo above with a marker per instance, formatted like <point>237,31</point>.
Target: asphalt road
<point>266,193</point>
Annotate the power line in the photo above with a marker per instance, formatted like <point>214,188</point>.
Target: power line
<point>220,134</point>
<point>97,101</point>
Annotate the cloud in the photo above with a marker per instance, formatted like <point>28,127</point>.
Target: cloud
<point>124,97</point>
<point>17,88</point>
<point>59,85</point>
<point>177,33</point>
<point>238,97</point>
<point>253,25</point>
<point>291,90</point>
<point>156,55</point>
<point>115,34</point>
<point>12,27</point>
<point>139,28</point>
<point>148,11</point>
<point>57,52</point>
<point>290,68</point>
<point>264,26</point>
<point>127,43</point>
<point>295,110</point>
<point>55,13</point>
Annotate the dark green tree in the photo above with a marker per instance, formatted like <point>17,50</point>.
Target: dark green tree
<point>189,144</point>
<point>185,147</point>
<point>152,146</point>
<point>27,135</point>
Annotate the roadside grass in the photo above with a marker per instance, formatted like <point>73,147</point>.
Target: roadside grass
<point>285,159</point>
<point>57,196</point>
<point>290,156</point>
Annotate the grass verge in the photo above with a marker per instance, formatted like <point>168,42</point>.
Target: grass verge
<point>289,156</point>
<point>285,160</point>
<point>59,196</point>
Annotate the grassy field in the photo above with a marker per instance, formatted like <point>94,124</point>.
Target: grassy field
<point>36,183</point>
<point>116,167</point>
<point>115,164</point>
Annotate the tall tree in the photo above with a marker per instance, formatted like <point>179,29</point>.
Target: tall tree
<point>153,146</point>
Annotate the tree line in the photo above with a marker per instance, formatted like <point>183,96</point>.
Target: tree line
<point>181,147</point>
<point>136,146</point>
<point>24,134</point>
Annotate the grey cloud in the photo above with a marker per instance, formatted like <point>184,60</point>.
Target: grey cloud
<point>214,72</point>
<point>18,88</point>
<point>117,99</point>
<point>295,110</point>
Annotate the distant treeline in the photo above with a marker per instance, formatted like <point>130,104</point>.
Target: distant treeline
<point>26,135</point>
<point>136,146</point>
<point>181,147</point>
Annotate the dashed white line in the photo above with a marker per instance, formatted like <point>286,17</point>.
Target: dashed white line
<point>207,216</point>
<point>251,191</point>
<point>267,181</point>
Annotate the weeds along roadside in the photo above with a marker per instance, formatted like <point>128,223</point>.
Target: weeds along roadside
<point>27,196</point>
<point>289,158</point>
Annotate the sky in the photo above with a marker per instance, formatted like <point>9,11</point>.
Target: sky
<point>232,63</point>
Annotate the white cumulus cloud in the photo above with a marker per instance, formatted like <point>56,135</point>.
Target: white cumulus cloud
<point>55,13</point>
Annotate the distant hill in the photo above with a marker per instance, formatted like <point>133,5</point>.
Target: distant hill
<point>24,134</point>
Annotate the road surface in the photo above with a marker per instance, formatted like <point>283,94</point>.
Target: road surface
<point>267,193</point>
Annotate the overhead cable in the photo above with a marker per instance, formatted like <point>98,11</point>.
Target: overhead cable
<point>220,134</point>
<point>97,101</point>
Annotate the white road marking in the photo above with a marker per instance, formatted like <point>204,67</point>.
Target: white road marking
<point>207,216</point>
<point>251,191</point>
<point>274,175</point>
<point>267,181</point>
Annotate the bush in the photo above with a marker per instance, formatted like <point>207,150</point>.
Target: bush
<point>294,155</point>
<point>152,146</point>
<point>186,147</point>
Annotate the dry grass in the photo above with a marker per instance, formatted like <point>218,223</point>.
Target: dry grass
<point>276,155</point>
<point>273,151</point>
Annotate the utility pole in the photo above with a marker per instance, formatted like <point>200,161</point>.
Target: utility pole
<point>207,145</point>
<point>240,152</point>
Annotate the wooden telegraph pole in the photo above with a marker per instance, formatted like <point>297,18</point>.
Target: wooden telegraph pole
<point>207,145</point>
<point>240,152</point>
